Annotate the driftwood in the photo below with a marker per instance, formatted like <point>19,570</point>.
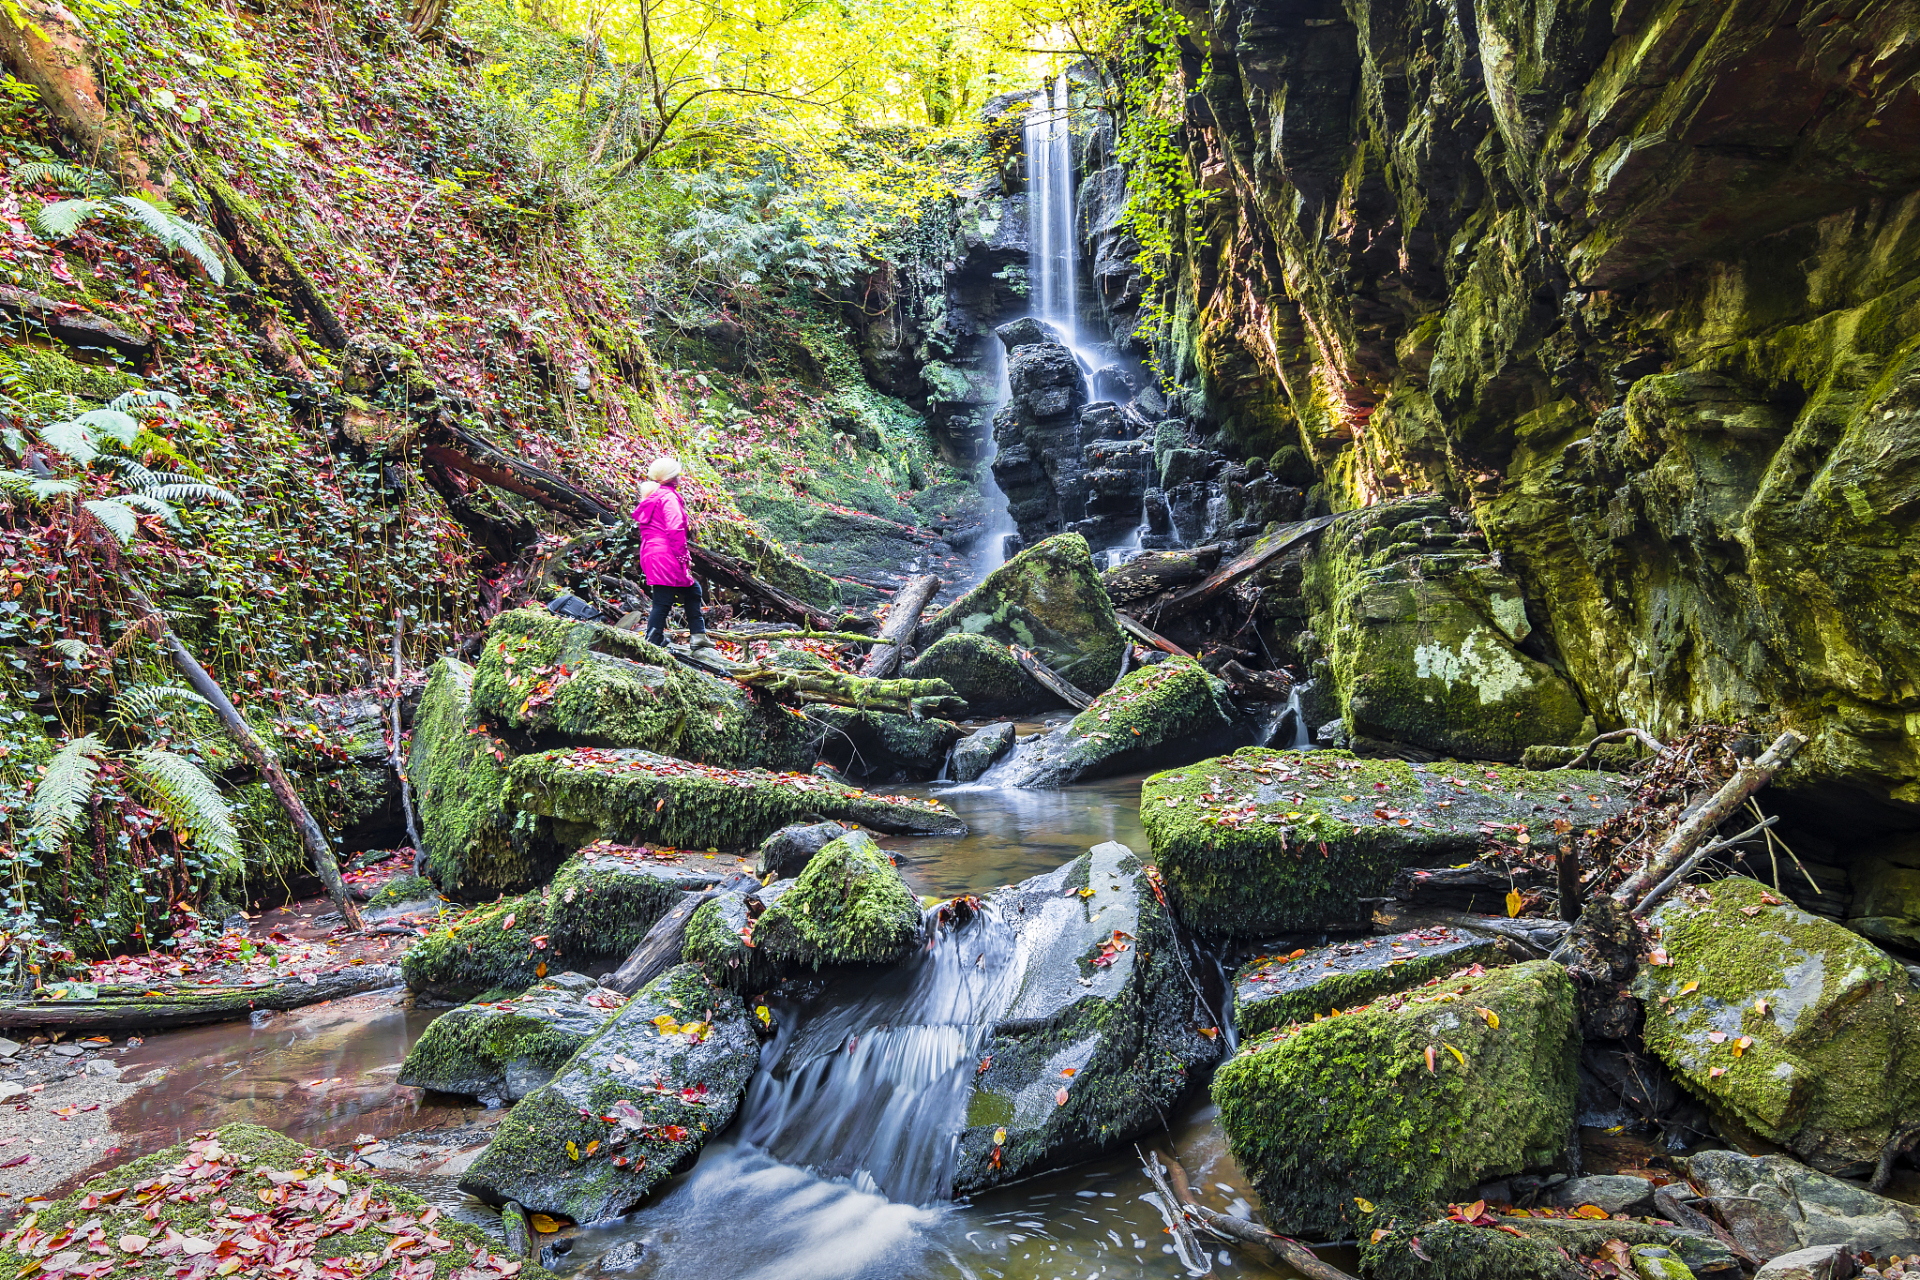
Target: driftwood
<point>830,637</point>
<point>1159,571</point>
<point>1615,735</point>
<point>659,951</point>
<point>130,1006</point>
<point>74,327</point>
<point>903,615</point>
<point>256,751</point>
<point>1052,681</point>
<point>1693,860</point>
<point>1139,631</point>
<point>1262,551</point>
<point>1698,823</point>
<point>1171,1181</point>
<point>906,697</point>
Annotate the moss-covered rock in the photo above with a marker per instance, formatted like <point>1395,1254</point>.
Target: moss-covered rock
<point>402,890</point>
<point>603,900</point>
<point>1272,991</point>
<point>583,683</point>
<point>571,798</point>
<point>1171,709</point>
<point>503,1050</point>
<point>1047,599</point>
<point>489,953</point>
<point>458,769</point>
<point>1375,1104</point>
<point>1261,842</point>
<point>1098,990</point>
<point>1785,1024</point>
<point>669,1070</point>
<point>720,938</point>
<point>193,1182</point>
<point>984,672</point>
<point>1456,1251</point>
<point>850,906</point>
<point>884,745</point>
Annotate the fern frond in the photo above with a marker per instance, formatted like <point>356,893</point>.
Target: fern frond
<point>80,438</point>
<point>89,181</point>
<point>117,516</point>
<point>68,647</point>
<point>175,232</point>
<point>25,484</point>
<point>150,504</point>
<point>134,401</point>
<point>112,424</point>
<point>190,799</point>
<point>62,794</point>
<point>191,491</point>
<point>137,474</point>
<point>145,701</point>
<point>63,217</point>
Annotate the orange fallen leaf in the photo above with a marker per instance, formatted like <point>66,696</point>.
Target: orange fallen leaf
<point>508,922</point>
<point>1430,1056</point>
<point>543,1224</point>
<point>1690,988</point>
<point>1060,1098</point>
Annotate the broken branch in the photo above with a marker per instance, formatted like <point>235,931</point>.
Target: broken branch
<point>1700,823</point>
<point>903,615</point>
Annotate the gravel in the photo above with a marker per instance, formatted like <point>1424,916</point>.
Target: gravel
<point>39,1080</point>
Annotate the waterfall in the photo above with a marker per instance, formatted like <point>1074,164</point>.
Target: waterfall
<point>1051,245</point>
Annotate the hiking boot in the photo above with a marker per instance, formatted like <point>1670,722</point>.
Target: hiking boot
<point>702,646</point>
<point>658,637</point>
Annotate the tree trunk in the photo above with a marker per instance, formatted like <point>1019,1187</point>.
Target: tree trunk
<point>1159,571</point>
<point>399,759</point>
<point>263,759</point>
<point>131,1006</point>
<point>49,50</point>
<point>903,615</point>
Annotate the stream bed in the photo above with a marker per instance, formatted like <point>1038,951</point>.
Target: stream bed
<point>327,1076</point>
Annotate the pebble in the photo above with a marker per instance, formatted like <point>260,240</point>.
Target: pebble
<point>9,1047</point>
<point>68,1050</point>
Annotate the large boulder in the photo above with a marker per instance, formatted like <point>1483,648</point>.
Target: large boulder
<point>720,938</point>
<point>884,745</point>
<point>1785,1024</point>
<point>1425,632</point>
<point>1172,708</point>
<point>584,684</point>
<point>1773,1205</point>
<point>458,767</point>
<point>630,1109</point>
<point>503,1050</point>
<point>571,798</point>
<point>849,906</point>
<point>1272,991</point>
<point>1047,599</point>
<point>984,672</point>
<point>1262,842</point>
<point>1103,1034</point>
<point>487,954</point>
<point>1406,1101</point>
<point>787,852</point>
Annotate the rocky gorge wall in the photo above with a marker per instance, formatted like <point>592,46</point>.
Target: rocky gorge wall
<point>1634,284</point>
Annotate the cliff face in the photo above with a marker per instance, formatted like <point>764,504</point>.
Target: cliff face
<point>1637,283</point>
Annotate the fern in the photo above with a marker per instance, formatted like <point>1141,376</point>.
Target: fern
<point>63,217</point>
<point>171,486</point>
<point>144,702</point>
<point>121,520</point>
<point>87,181</point>
<point>68,647</point>
<point>190,799</point>
<point>25,484</point>
<point>132,402</point>
<point>63,791</point>
<point>80,438</point>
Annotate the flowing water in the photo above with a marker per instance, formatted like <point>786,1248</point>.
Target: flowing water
<point>836,1167</point>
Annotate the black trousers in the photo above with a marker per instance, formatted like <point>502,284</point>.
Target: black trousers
<point>664,598</point>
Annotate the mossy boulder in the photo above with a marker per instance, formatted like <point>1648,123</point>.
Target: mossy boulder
<point>884,745</point>
<point>1272,991</point>
<point>1786,1025</point>
<point>458,768</point>
<point>1171,709</point>
<point>669,1069</point>
<point>569,799</point>
<point>402,891</point>
<point>1098,989</point>
<point>564,681</point>
<point>603,900</point>
<point>191,1184</point>
<point>1456,1251</point>
<point>984,672</point>
<point>720,938</point>
<point>1262,842</point>
<point>850,906</point>
<point>488,953</point>
<point>1047,599</point>
<point>1424,632</point>
<point>503,1050</point>
<point>1375,1104</point>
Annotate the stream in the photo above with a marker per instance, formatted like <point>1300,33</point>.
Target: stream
<point>834,1168</point>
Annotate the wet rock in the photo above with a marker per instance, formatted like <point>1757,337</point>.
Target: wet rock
<point>1156,571</point>
<point>1047,599</point>
<point>1026,331</point>
<point>1657,1262</point>
<point>503,1050</point>
<point>884,745</point>
<point>1321,1112</point>
<point>603,900</point>
<point>1796,1028</point>
<point>678,1057</point>
<point>515,1232</point>
<point>720,938</point>
<point>1886,897</point>
<point>622,1257</point>
<point>1040,464</point>
<point>787,851</point>
<point>1099,991</point>
<point>976,752</point>
<point>1425,632</point>
<point>584,684</point>
<point>849,906</point>
<point>1789,1206</point>
<point>1272,991</point>
<point>458,770</point>
<point>1157,711</point>
<point>982,671</point>
<point>1239,838</point>
<point>1615,1193</point>
<point>1455,1251</point>
<point>1178,466</point>
<point>571,798</point>
<point>1826,1262</point>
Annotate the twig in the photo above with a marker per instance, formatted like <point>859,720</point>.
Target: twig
<point>1698,824</point>
<point>1288,1250</point>
<point>1698,856</point>
<point>1774,858</point>
<point>1615,735</point>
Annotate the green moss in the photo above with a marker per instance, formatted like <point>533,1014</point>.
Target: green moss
<point>1263,842</point>
<point>501,1050</point>
<point>604,904</point>
<point>885,744</point>
<point>1321,1113</point>
<point>480,954</point>
<point>849,906</point>
<point>716,942</point>
<point>981,670</point>
<point>1455,1251</point>
<point>52,373</point>
<point>252,1150</point>
<point>1047,599</point>
<point>458,770</point>
<point>1272,991</point>
<point>1162,703</point>
<point>403,888</point>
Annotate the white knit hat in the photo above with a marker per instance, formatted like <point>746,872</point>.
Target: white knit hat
<point>663,470</point>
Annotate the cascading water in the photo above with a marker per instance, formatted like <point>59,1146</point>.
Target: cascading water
<point>1051,278</point>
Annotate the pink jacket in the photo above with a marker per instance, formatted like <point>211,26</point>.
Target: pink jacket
<point>662,517</point>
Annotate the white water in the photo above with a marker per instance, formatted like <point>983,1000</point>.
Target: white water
<point>1050,239</point>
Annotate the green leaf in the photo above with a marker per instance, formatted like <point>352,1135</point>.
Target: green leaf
<point>62,792</point>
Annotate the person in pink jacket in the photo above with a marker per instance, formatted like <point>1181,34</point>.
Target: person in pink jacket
<point>665,561</point>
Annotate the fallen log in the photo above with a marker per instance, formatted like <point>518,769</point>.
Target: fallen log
<point>734,573</point>
<point>1693,860</point>
<point>905,697</point>
<point>1051,680</point>
<point>1285,1248</point>
<point>903,615</point>
<point>132,1007</point>
<point>659,951</point>
<point>71,325</point>
<point>830,637</point>
<point>1615,735</point>
<point>1700,822</point>
<point>1265,549</point>
<point>1156,572</point>
<point>1261,686</point>
<point>1139,631</point>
